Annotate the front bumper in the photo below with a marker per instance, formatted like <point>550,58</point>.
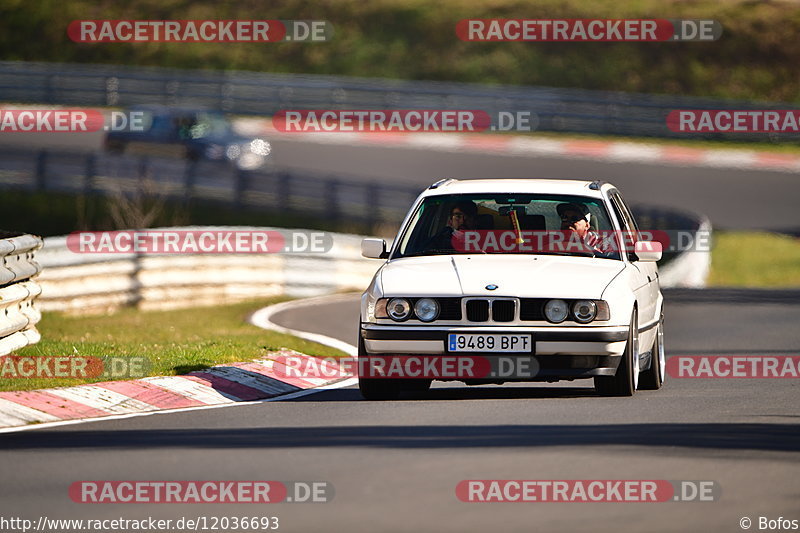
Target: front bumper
<point>556,353</point>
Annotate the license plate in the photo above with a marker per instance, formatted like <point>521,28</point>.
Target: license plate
<point>490,342</point>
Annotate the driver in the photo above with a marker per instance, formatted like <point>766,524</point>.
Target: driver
<point>463,216</point>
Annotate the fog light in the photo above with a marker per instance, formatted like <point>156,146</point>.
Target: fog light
<point>426,309</point>
<point>556,311</point>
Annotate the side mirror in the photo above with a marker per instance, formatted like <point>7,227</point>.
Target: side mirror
<point>374,248</point>
<point>648,251</point>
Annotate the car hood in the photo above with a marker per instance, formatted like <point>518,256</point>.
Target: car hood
<point>539,276</point>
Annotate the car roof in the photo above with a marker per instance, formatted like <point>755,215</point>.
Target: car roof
<point>519,185</point>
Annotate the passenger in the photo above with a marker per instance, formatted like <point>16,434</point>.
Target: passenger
<point>577,219</point>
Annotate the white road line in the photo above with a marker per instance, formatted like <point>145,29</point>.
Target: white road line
<point>634,152</point>
<point>263,319</point>
<point>729,158</point>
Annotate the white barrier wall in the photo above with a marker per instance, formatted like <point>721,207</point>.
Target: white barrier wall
<point>87,283</point>
<point>690,269</point>
<point>18,290</point>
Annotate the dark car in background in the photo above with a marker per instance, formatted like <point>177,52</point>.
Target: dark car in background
<point>192,132</point>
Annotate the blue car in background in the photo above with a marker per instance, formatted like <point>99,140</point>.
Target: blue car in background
<point>191,132</point>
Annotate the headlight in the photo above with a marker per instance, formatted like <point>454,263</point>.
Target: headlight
<point>260,147</point>
<point>556,311</point>
<point>399,309</point>
<point>426,309</point>
<point>233,151</point>
<point>584,311</point>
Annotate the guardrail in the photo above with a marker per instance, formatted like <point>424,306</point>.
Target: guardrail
<point>18,290</point>
<point>288,192</point>
<point>256,93</point>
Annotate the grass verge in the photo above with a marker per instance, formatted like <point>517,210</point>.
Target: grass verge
<point>754,259</point>
<point>174,342</point>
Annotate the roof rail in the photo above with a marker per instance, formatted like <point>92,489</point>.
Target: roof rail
<point>441,183</point>
<point>596,184</point>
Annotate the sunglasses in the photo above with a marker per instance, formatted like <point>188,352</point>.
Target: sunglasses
<point>572,218</point>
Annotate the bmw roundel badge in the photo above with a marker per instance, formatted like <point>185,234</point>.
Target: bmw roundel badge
<point>491,287</point>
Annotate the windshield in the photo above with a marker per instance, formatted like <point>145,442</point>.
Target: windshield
<point>207,125</point>
<point>510,224</point>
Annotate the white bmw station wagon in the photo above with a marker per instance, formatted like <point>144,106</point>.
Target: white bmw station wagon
<point>547,278</point>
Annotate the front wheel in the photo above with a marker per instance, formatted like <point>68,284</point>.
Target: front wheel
<point>625,381</point>
<point>653,378</point>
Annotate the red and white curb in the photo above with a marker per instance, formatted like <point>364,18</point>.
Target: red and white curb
<point>526,145</point>
<point>223,385</point>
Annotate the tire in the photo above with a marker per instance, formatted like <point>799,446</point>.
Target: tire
<point>416,385</point>
<point>376,388</point>
<point>379,389</point>
<point>653,377</point>
<point>624,382</point>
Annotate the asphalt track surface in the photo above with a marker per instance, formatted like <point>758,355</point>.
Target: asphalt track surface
<point>739,199</point>
<point>395,465</point>
<point>731,198</point>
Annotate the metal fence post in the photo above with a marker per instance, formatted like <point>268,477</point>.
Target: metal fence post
<point>284,197</point>
<point>332,199</point>
<point>189,175</point>
<point>91,170</point>
<point>242,183</point>
<point>41,170</point>
<point>373,205</point>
